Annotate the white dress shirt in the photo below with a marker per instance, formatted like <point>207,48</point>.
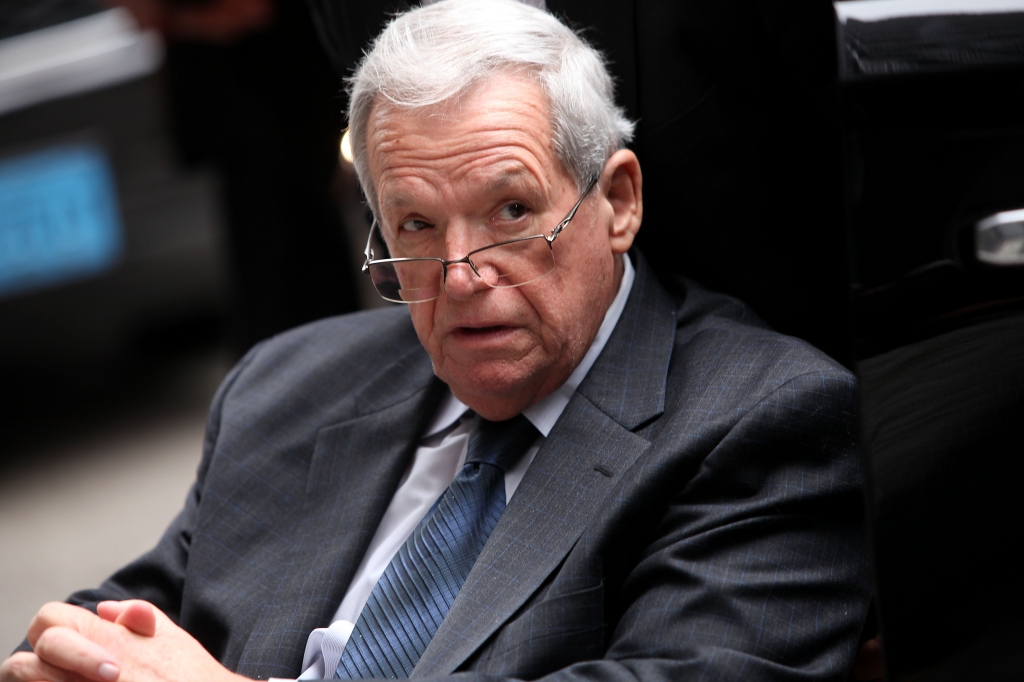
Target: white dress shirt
<point>439,457</point>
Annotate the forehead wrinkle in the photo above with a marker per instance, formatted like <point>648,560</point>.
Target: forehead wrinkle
<point>500,171</point>
<point>391,133</point>
<point>470,151</point>
<point>403,143</point>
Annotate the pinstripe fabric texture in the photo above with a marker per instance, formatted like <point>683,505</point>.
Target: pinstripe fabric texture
<point>694,514</point>
<point>418,587</point>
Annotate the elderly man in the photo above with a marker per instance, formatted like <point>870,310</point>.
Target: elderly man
<point>543,464</point>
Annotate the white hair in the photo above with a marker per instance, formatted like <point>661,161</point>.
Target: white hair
<point>432,55</point>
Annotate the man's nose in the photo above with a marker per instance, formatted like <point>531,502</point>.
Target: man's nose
<point>460,280</point>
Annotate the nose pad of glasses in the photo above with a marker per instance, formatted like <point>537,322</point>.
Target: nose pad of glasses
<point>461,280</point>
<point>490,273</point>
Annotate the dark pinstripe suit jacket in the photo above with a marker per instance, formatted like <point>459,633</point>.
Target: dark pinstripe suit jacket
<point>693,515</point>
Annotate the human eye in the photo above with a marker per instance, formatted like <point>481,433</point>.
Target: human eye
<point>513,211</point>
<point>414,225</point>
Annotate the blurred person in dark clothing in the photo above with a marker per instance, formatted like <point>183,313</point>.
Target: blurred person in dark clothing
<point>253,92</point>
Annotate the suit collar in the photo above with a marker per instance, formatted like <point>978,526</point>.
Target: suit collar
<point>410,373</point>
<point>345,499</point>
<point>628,381</point>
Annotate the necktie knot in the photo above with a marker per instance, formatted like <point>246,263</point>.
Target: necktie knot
<point>500,444</point>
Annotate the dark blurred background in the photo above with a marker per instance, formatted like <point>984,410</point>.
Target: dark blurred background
<point>170,194</point>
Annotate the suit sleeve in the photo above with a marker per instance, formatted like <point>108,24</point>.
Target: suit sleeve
<point>757,569</point>
<point>159,575</point>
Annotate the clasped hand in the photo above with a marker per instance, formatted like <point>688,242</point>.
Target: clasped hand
<point>133,641</point>
<point>128,641</point>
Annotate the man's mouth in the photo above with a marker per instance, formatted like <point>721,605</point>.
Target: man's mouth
<point>484,330</point>
<point>484,334</point>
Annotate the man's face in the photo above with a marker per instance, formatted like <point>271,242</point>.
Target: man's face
<point>472,173</point>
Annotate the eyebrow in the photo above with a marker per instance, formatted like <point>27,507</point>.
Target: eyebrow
<point>391,200</point>
<point>509,179</point>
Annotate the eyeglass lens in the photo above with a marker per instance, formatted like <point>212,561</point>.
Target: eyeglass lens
<point>502,265</point>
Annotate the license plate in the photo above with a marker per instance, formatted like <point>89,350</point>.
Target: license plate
<point>59,219</point>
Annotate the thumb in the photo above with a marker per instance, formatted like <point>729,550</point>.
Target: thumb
<point>136,615</point>
<point>110,610</point>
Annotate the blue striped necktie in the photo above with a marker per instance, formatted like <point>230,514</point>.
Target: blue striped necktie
<point>418,587</point>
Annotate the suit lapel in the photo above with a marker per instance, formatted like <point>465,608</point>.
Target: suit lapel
<point>569,477</point>
<point>627,382</point>
<point>355,470</point>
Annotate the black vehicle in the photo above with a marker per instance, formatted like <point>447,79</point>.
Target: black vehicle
<point>103,235</point>
<point>933,111</point>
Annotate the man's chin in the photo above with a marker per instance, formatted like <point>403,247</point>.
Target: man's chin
<point>495,389</point>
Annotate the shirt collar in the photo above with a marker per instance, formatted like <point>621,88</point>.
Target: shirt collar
<point>545,413</point>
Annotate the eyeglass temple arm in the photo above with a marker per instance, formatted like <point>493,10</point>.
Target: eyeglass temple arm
<point>368,251</point>
<point>572,213</point>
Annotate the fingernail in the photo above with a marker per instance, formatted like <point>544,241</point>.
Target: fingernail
<point>109,672</point>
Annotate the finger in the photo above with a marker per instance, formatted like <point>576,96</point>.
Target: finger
<point>110,610</point>
<point>70,650</point>
<point>58,614</point>
<point>868,664</point>
<point>26,667</point>
<point>139,617</point>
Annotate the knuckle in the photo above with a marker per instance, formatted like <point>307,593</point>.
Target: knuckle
<point>51,643</point>
<point>45,615</point>
<point>45,643</point>
<point>16,668</point>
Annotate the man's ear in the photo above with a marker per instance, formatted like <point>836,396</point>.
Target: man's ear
<point>624,191</point>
